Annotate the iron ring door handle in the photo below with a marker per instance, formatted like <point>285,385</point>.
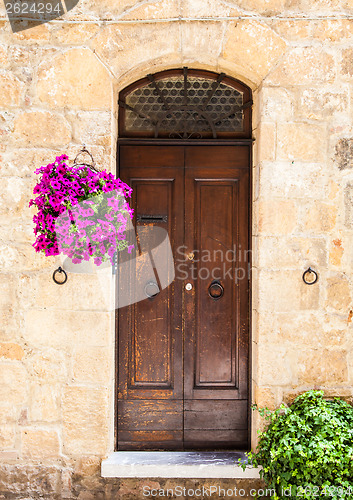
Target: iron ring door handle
<point>215,290</point>
<point>151,284</point>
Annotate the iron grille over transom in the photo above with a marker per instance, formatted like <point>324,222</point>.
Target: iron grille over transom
<point>185,104</point>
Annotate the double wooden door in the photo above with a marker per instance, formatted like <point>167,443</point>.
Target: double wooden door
<point>182,374</point>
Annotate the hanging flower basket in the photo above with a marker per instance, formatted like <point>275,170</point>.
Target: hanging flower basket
<point>82,212</point>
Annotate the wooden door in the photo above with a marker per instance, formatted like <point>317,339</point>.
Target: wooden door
<point>183,354</point>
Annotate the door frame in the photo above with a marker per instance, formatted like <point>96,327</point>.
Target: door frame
<point>193,142</point>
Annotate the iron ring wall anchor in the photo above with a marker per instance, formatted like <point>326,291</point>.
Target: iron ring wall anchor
<point>307,273</point>
<point>60,270</point>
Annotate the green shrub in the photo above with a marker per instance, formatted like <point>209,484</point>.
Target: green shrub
<point>307,449</point>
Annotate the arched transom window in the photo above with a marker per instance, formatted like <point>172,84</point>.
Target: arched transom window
<point>185,103</point>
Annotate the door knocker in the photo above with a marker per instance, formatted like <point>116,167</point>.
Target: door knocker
<point>215,290</point>
<point>151,289</point>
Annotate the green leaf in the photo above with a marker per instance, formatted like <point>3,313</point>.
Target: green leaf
<point>310,443</point>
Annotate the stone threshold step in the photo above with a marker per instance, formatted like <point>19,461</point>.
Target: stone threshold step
<point>177,464</point>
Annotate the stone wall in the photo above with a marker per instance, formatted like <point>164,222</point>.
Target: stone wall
<point>82,481</point>
<point>59,84</point>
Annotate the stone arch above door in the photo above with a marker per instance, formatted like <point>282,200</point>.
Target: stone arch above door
<point>246,49</point>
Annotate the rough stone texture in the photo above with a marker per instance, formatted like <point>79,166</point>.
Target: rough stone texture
<point>59,85</point>
<point>312,371</point>
<point>348,203</point>
<point>303,65</point>
<point>338,293</point>
<point>45,402</point>
<point>295,296</point>
<point>317,104</point>
<point>10,90</point>
<point>300,141</point>
<point>63,329</point>
<point>36,34</point>
<point>277,104</point>
<point>91,127</point>
<point>266,142</point>
<point>17,481</point>
<point>203,39</point>
<point>271,360</point>
<point>277,217</point>
<point>79,81</point>
<point>302,180</point>
<point>347,64</point>
<point>254,47</point>
<point>121,50</point>
<point>13,383</point>
<point>344,153</point>
<point>40,128</point>
<point>73,34</point>
<point>91,364</point>
<point>202,8</point>
<point>158,9</point>
<point>321,217</point>
<point>11,351</point>
<point>291,252</point>
<point>85,420</point>
<point>40,444</point>
<point>82,482</point>
<point>265,398</point>
<point>336,252</point>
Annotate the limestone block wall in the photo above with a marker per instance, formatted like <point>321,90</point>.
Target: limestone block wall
<point>302,335</point>
<point>59,84</point>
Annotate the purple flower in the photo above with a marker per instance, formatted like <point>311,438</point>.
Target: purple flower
<point>66,191</point>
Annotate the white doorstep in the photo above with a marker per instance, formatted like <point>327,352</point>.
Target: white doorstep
<point>177,464</point>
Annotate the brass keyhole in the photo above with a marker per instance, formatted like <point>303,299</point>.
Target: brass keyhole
<point>191,256</point>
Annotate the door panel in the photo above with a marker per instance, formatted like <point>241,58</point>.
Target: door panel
<point>152,156</point>
<point>150,342</point>
<point>150,424</point>
<point>215,439</point>
<point>217,156</point>
<point>153,369</point>
<point>183,355</point>
<point>150,440</point>
<point>150,415</point>
<point>215,327</point>
<point>216,331</point>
